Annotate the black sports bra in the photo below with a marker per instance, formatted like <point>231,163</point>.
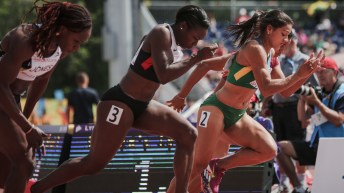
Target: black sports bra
<point>142,63</point>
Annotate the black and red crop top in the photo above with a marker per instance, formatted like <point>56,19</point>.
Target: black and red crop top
<point>142,63</point>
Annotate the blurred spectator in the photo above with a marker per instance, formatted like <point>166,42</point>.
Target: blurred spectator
<point>329,46</point>
<point>221,50</point>
<point>302,37</point>
<point>254,109</point>
<point>213,78</point>
<point>45,118</point>
<point>284,110</point>
<point>340,22</point>
<point>214,34</point>
<point>80,103</point>
<point>324,25</point>
<point>34,119</point>
<point>319,41</point>
<point>40,116</point>
<point>81,100</point>
<point>328,121</point>
<point>243,16</point>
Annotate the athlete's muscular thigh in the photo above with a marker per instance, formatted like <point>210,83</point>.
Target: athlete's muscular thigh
<point>12,139</point>
<point>160,119</point>
<point>5,165</point>
<point>248,133</point>
<point>114,119</point>
<point>210,127</point>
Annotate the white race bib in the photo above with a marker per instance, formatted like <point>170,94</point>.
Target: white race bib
<point>318,119</point>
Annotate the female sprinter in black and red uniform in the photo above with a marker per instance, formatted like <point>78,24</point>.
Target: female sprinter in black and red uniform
<point>129,104</point>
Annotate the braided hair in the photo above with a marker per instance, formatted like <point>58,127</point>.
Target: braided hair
<point>51,16</point>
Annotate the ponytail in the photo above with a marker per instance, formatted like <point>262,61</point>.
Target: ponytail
<point>256,25</point>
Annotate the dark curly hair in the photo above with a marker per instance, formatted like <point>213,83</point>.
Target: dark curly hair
<point>51,16</point>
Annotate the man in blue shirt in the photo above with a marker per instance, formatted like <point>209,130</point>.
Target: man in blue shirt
<point>80,104</point>
<point>81,100</point>
<point>286,124</point>
<point>328,121</point>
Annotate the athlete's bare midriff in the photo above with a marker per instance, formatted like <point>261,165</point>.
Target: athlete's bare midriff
<point>235,96</point>
<point>138,87</point>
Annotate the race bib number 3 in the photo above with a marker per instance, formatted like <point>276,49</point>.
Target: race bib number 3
<point>114,115</point>
<point>203,122</point>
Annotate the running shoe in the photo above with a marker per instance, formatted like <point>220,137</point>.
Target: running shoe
<point>29,183</point>
<point>211,177</point>
<point>206,177</point>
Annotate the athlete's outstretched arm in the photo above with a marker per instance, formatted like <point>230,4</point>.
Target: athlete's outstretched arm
<point>217,64</point>
<point>277,73</point>
<point>159,40</point>
<point>35,91</point>
<point>255,55</point>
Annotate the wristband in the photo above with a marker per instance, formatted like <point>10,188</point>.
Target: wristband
<point>29,131</point>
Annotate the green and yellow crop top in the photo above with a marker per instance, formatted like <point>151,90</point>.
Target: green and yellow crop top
<point>242,75</point>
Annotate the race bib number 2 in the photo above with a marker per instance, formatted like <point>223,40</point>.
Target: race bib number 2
<point>203,122</point>
<point>114,115</point>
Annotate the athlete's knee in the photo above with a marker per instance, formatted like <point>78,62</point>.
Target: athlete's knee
<point>284,145</point>
<point>192,134</point>
<point>22,162</point>
<point>91,166</point>
<point>286,148</point>
<point>270,151</point>
<point>189,137</point>
<point>93,169</point>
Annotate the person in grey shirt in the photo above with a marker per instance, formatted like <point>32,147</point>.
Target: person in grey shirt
<point>284,110</point>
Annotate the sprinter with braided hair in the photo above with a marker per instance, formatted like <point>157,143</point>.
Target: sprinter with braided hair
<point>51,16</point>
<point>28,56</point>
